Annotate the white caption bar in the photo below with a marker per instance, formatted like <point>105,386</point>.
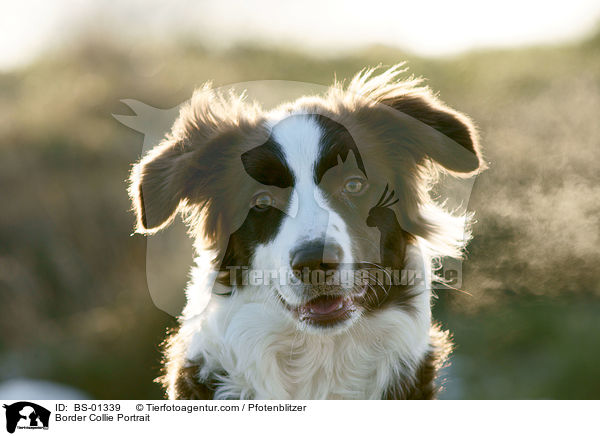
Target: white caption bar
<point>301,417</point>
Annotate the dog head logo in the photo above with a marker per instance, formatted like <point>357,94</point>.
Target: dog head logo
<point>26,415</point>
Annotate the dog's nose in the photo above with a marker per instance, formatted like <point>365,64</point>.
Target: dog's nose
<point>316,256</point>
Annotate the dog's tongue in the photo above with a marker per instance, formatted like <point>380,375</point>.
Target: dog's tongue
<point>324,305</point>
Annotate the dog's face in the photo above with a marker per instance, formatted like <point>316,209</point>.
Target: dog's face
<point>316,225</point>
<point>304,206</point>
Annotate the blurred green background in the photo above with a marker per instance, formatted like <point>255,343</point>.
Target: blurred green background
<point>74,303</point>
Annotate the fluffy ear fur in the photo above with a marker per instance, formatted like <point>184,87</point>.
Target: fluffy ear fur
<point>158,186</point>
<point>452,124</point>
<point>176,172</point>
<point>410,100</point>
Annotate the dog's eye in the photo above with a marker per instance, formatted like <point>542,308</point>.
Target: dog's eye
<point>354,185</point>
<point>263,200</point>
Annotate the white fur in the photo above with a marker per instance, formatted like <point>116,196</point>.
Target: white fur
<point>309,216</point>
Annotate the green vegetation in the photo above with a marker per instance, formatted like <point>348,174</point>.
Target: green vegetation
<point>74,302</point>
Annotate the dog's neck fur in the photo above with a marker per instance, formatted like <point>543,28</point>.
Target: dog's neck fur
<point>244,346</point>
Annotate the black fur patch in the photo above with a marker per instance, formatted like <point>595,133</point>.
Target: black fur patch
<point>266,164</point>
<point>336,141</point>
<point>259,227</point>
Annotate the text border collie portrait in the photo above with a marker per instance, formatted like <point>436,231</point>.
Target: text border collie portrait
<point>330,199</point>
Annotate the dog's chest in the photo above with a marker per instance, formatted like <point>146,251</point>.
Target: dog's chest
<point>305,368</point>
<point>257,355</point>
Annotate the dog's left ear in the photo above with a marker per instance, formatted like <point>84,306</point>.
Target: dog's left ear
<point>455,146</point>
<point>158,185</point>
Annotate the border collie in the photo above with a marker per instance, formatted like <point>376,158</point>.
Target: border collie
<point>316,230</point>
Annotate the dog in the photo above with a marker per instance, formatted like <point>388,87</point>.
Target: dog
<point>316,231</point>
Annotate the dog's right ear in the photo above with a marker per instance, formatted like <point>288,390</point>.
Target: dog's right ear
<point>158,185</point>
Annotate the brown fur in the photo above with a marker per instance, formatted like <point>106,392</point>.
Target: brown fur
<point>180,377</point>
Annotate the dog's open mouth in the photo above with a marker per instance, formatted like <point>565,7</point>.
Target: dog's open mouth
<point>326,311</point>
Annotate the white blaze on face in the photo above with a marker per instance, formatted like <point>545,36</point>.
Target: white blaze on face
<point>309,216</point>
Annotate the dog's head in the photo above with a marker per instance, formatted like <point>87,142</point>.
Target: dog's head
<point>303,206</point>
